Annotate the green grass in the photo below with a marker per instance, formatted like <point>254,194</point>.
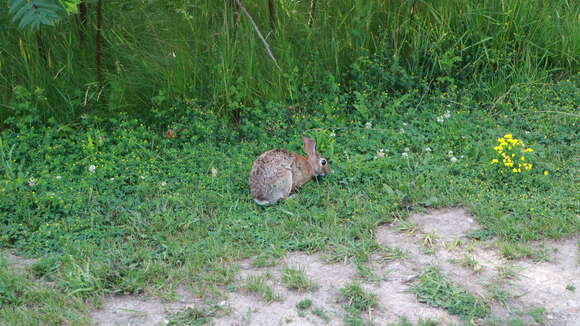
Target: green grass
<point>405,322</point>
<point>257,284</point>
<point>356,302</point>
<point>156,51</point>
<point>320,313</point>
<point>512,250</point>
<point>191,317</point>
<point>296,279</point>
<point>152,215</point>
<point>471,263</point>
<point>434,289</point>
<point>25,301</point>
<point>357,298</point>
<point>304,304</point>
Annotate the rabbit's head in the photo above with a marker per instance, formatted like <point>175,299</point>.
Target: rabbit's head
<point>318,163</point>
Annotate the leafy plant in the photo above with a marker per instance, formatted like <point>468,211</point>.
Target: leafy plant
<point>35,13</point>
<point>512,154</point>
<point>304,304</point>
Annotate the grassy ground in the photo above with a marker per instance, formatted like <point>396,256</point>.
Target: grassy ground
<point>114,206</point>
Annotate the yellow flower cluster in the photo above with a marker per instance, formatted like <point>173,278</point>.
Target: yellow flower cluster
<point>512,154</point>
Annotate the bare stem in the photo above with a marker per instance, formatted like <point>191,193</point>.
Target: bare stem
<point>266,45</point>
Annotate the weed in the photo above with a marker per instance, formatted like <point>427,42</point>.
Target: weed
<point>435,290</point>
<point>304,304</point>
<point>319,312</point>
<point>512,153</point>
<point>257,284</point>
<point>390,254</point>
<point>570,287</point>
<point>537,315</point>
<point>191,317</point>
<point>357,298</point>
<point>482,235</point>
<point>471,263</point>
<point>499,293</point>
<point>404,321</point>
<point>512,250</point>
<point>266,259</point>
<point>367,273</point>
<point>407,227</point>
<point>429,242</point>
<point>297,279</point>
<point>507,271</point>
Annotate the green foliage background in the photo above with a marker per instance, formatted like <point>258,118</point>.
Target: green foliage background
<point>194,50</point>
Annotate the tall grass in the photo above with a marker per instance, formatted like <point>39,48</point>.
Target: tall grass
<point>196,50</point>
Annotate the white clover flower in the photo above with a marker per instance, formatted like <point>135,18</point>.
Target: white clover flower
<point>447,114</point>
<point>368,125</point>
<point>32,182</point>
<point>58,177</point>
<point>453,159</point>
<point>214,172</point>
<point>332,134</point>
<point>92,168</point>
<point>427,149</point>
<point>440,119</point>
<point>407,149</point>
<point>380,153</point>
<point>405,124</point>
<point>450,153</point>
<point>163,183</point>
<point>405,155</point>
<point>401,131</point>
<point>112,179</point>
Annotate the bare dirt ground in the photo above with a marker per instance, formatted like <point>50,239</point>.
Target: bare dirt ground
<point>18,262</point>
<point>439,239</point>
<point>435,238</point>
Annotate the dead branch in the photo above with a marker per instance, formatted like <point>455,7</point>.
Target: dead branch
<point>266,45</point>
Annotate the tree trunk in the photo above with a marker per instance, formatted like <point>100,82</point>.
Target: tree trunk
<point>82,20</point>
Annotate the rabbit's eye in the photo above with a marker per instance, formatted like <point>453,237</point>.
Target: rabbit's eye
<point>322,161</point>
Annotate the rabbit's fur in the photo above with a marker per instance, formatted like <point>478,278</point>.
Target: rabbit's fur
<point>278,172</point>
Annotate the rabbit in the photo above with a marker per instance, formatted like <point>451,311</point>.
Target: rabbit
<point>278,172</point>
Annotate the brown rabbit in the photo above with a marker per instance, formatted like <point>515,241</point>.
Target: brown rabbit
<point>277,172</point>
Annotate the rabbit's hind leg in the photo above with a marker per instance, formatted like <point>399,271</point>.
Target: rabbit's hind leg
<point>279,188</point>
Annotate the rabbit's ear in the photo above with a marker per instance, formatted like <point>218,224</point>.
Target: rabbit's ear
<point>309,146</point>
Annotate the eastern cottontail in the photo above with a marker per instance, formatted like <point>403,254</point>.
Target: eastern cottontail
<point>277,172</point>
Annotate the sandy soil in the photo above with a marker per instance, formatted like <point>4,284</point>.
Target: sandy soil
<point>440,239</point>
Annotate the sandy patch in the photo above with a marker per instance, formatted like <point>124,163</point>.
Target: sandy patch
<point>440,239</point>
